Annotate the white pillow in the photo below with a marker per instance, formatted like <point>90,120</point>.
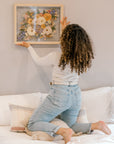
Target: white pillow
<point>82,116</point>
<point>29,100</point>
<point>19,117</point>
<point>97,103</point>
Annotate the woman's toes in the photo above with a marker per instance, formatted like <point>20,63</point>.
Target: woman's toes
<point>103,127</point>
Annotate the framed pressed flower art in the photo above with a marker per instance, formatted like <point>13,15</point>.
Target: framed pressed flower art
<point>38,24</point>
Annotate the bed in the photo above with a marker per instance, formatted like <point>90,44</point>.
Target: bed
<point>97,137</point>
<point>98,103</point>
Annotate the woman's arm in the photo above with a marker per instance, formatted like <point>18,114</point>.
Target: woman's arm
<point>49,59</point>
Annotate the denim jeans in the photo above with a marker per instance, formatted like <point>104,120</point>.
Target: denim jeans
<point>63,100</point>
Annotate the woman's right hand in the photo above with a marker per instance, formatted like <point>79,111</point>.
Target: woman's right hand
<point>24,44</point>
<point>64,23</point>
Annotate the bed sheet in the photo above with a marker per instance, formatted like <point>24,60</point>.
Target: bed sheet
<point>97,137</point>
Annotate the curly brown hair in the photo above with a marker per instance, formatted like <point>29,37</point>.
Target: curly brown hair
<point>76,49</point>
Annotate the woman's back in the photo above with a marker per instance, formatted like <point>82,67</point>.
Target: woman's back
<point>65,76</point>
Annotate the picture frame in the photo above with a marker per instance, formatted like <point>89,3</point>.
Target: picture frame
<point>37,23</point>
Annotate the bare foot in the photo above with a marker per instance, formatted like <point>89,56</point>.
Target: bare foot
<point>66,133</point>
<point>100,125</point>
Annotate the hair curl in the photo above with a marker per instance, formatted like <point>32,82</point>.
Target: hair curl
<point>76,49</point>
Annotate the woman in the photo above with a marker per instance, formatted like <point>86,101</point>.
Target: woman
<point>64,97</point>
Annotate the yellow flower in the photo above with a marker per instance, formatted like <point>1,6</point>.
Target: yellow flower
<point>30,21</point>
<point>43,26</point>
<point>37,16</point>
<point>47,16</point>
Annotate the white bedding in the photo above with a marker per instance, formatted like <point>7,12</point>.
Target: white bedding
<point>97,137</point>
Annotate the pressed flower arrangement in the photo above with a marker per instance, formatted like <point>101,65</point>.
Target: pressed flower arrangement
<point>38,24</point>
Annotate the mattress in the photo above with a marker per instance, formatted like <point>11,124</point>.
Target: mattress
<point>97,137</point>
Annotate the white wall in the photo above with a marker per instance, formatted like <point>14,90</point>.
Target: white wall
<point>19,74</point>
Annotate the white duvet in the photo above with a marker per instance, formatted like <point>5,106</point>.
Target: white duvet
<point>97,137</point>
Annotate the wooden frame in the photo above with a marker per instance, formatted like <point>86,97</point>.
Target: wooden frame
<point>49,37</point>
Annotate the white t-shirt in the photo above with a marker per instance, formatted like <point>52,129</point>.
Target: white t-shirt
<point>58,76</point>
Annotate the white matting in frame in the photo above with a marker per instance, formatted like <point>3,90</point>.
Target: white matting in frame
<point>37,24</point>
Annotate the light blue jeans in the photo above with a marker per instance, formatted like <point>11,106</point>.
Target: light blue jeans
<point>63,100</point>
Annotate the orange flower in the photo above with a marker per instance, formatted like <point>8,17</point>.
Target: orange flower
<point>41,14</point>
<point>43,26</point>
<point>32,13</point>
<point>30,21</point>
<point>47,16</point>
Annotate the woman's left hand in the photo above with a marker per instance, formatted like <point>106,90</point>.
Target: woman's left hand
<point>64,22</point>
<point>24,44</point>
